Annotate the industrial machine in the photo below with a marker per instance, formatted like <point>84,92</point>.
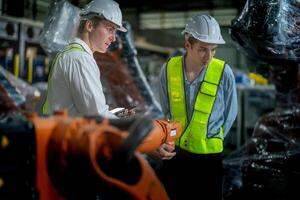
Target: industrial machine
<point>57,157</point>
<point>267,166</point>
<point>9,44</point>
<point>20,51</point>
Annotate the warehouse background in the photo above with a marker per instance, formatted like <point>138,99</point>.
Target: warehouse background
<point>262,152</point>
<point>157,27</point>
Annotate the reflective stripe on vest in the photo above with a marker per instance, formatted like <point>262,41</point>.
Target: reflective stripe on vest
<point>69,48</point>
<point>194,138</point>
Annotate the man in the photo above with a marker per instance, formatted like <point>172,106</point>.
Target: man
<point>74,80</point>
<point>199,91</point>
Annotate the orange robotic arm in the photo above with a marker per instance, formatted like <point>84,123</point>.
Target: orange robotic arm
<point>83,158</point>
<point>163,131</point>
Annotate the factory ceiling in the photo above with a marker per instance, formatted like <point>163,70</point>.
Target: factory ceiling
<point>179,5</point>
<point>170,5</point>
<point>37,9</point>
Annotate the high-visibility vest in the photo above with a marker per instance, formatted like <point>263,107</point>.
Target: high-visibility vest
<point>194,137</point>
<point>69,48</point>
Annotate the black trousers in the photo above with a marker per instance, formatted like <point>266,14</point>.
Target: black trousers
<point>193,176</point>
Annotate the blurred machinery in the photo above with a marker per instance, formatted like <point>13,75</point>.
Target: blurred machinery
<point>254,101</point>
<point>9,35</point>
<point>35,59</point>
<point>20,50</point>
<point>57,157</point>
<point>268,166</point>
<point>23,95</point>
<point>84,158</point>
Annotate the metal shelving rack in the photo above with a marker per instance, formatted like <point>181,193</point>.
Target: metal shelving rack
<point>21,31</point>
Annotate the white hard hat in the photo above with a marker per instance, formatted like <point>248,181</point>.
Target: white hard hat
<point>204,28</point>
<point>108,9</point>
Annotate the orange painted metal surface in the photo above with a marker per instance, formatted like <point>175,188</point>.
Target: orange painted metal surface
<point>66,146</point>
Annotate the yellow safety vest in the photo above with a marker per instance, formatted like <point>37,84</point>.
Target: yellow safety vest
<point>194,137</point>
<point>69,48</point>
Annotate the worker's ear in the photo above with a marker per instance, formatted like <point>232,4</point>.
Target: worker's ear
<point>187,44</point>
<point>89,25</point>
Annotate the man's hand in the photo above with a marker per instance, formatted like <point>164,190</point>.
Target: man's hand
<point>126,113</point>
<point>164,152</point>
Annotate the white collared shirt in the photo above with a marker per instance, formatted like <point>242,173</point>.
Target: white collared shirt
<point>75,84</point>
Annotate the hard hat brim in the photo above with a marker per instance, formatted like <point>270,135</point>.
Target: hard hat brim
<point>218,41</point>
<point>122,29</point>
<point>90,15</point>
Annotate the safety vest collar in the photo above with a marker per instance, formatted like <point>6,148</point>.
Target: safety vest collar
<point>83,44</point>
